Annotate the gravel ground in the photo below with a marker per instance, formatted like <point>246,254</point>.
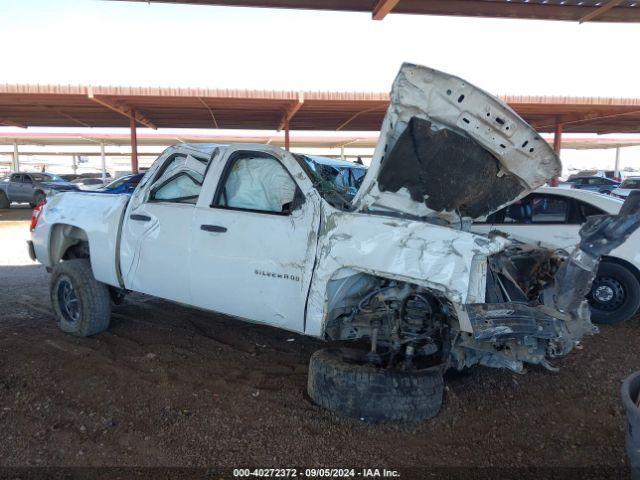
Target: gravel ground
<point>173,386</point>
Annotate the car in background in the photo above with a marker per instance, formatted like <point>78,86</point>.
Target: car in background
<point>69,177</point>
<point>625,188</point>
<point>31,188</point>
<point>552,217</point>
<point>124,184</point>
<point>593,183</point>
<point>596,173</point>
<point>88,183</point>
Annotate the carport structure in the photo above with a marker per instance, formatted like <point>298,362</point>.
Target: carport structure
<point>569,10</point>
<point>94,106</point>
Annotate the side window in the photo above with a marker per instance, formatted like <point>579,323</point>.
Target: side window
<point>586,210</point>
<point>519,212</point>
<point>256,182</point>
<point>549,209</point>
<point>16,177</point>
<point>27,179</point>
<point>596,181</point>
<point>179,180</point>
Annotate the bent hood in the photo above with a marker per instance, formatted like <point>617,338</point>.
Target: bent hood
<point>449,149</point>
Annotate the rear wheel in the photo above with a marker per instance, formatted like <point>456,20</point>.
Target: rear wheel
<point>341,380</point>
<point>615,294</point>
<point>81,304</point>
<point>4,201</point>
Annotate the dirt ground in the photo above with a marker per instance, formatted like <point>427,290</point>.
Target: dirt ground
<point>169,385</point>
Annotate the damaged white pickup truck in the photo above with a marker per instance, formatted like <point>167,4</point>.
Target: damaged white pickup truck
<point>268,236</point>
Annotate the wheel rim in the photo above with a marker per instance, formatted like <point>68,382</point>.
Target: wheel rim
<point>607,293</point>
<point>68,300</point>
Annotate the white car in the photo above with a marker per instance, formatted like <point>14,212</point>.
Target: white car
<point>261,234</point>
<point>626,187</point>
<point>552,218</point>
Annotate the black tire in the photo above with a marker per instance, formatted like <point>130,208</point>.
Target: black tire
<point>339,382</point>
<point>615,294</point>
<point>37,198</point>
<point>90,313</point>
<point>4,201</point>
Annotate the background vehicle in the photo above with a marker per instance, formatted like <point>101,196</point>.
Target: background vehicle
<point>552,217</point>
<point>595,184</point>
<point>88,183</point>
<point>626,187</point>
<point>124,184</point>
<point>31,188</point>
<point>611,174</point>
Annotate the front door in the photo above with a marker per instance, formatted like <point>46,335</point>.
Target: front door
<point>156,236</point>
<point>254,241</point>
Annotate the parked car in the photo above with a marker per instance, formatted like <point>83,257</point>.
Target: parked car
<point>553,217</point>
<point>611,174</point>
<point>31,188</point>
<point>124,184</point>
<point>595,184</point>
<point>88,183</point>
<point>254,232</point>
<point>626,187</point>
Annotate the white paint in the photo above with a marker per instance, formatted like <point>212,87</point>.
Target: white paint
<point>447,101</point>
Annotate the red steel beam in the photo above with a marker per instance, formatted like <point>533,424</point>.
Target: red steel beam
<point>134,143</point>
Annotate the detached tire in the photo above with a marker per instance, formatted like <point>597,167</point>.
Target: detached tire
<point>81,304</point>
<point>340,384</point>
<point>4,201</point>
<point>615,294</point>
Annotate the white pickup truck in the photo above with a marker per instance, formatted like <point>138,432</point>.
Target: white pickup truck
<point>264,235</point>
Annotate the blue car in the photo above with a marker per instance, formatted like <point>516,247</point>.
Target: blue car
<point>125,184</point>
<point>595,184</point>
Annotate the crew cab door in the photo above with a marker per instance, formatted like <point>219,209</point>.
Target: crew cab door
<point>254,238</point>
<point>156,235</point>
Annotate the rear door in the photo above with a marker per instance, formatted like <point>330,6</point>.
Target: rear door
<point>254,239</point>
<point>156,236</point>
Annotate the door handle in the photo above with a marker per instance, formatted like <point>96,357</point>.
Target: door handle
<point>140,218</point>
<point>213,228</point>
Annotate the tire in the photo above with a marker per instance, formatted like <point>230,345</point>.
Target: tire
<point>340,384</point>
<point>90,313</point>
<point>4,201</point>
<point>615,294</point>
<point>37,198</point>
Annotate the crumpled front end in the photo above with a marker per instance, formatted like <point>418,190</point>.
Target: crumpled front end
<point>535,308</point>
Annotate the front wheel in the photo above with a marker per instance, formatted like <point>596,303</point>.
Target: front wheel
<point>615,294</point>
<point>81,304</point>
<point>340,380</point>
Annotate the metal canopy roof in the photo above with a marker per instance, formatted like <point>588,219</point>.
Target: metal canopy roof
<point>300,140</point>
<point>572,10</point>
<point>81,106</point>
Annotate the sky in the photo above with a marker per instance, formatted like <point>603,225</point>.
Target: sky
<point>121,43</point>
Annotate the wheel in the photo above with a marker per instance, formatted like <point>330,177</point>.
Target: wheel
<point>4,201</point>
<point>37,198</point>
<point>81,304</point>
<point>340,381</point>
<point>615,294</point>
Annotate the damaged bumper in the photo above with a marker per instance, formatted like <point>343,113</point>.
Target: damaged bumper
<point>535,306</point>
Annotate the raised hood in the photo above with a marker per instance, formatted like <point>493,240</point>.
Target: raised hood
<point>449,149</point>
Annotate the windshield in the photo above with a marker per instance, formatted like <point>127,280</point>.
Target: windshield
<point>631,183</point>
<point>337,180</point>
